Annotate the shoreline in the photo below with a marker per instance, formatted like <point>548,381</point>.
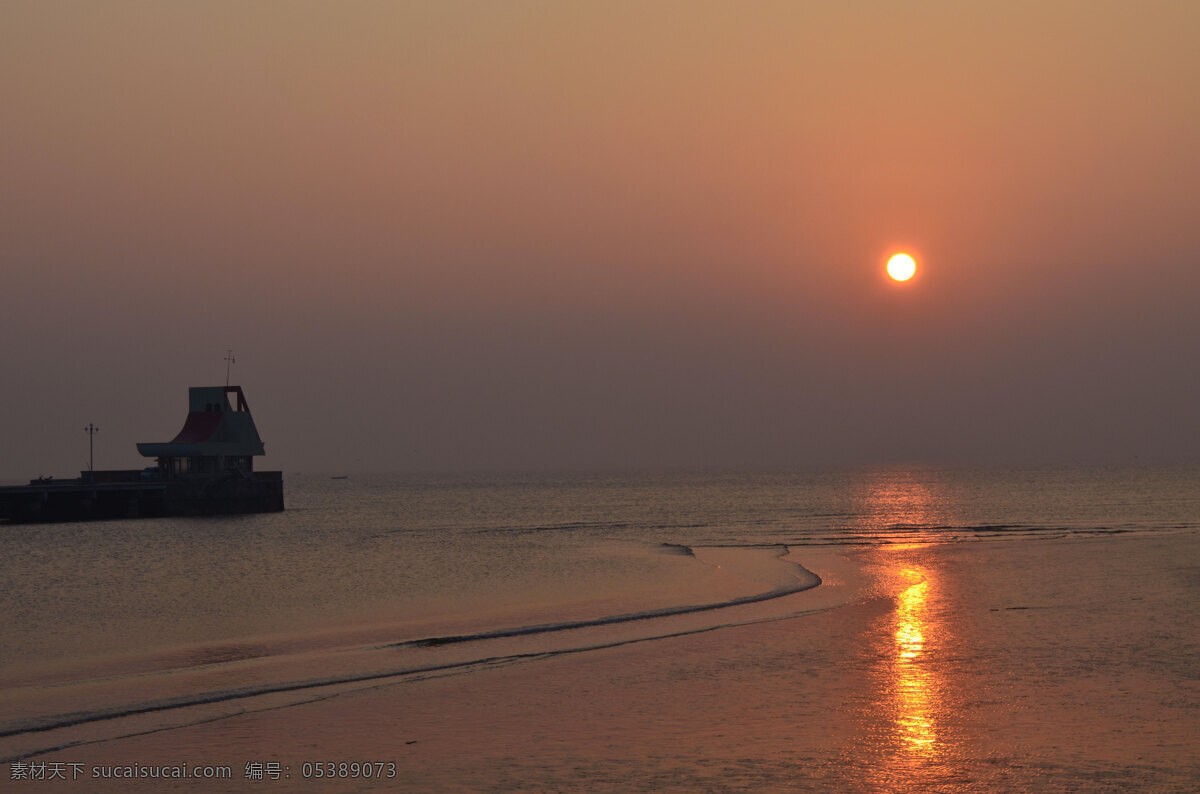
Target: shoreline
<point>805,581</point>
<point>487,649</point>
<point>937,678</point>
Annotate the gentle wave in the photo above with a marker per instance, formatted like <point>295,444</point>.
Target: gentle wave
<point>804,580</point>
<point>599,526</point>
<point>951,533</point>
<point>857,533</point>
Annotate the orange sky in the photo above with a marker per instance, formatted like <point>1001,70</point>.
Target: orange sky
<point>510,235</point>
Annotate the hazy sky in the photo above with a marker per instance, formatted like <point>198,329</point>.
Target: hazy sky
<point>486,235</point>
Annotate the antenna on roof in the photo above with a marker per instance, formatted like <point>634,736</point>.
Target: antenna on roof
<point>229,361</point>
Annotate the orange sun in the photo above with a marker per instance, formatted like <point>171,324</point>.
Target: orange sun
<point>901,267</point>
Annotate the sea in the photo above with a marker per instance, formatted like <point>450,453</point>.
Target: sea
<point>122,628</point>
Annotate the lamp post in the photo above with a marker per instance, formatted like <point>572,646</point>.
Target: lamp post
<point>91,430</point>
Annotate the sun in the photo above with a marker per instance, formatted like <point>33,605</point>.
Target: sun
<point>901,267</point>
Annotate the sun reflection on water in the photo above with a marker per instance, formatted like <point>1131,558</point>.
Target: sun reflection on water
<point>913,685</point>
<point>902,506</point>
<point>911,733</point>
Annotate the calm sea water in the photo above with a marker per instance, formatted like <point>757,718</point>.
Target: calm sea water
<point>376,549</point>
<point>108,624</point>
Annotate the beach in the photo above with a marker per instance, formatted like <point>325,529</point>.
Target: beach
<point>1048,665</point>
<point>684,397</point>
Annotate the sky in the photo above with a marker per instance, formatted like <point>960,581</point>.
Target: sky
<point>594,235</point>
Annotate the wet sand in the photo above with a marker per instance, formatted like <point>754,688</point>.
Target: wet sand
<point>1049,665</point>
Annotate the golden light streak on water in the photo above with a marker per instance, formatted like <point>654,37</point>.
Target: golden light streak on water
<point>913,686</point>
<point>906,507</point>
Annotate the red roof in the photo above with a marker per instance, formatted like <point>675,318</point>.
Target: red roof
<point>199,427</point>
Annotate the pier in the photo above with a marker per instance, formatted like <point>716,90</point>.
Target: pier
<point>207,469</point>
